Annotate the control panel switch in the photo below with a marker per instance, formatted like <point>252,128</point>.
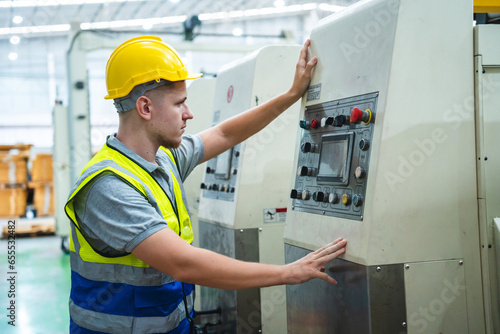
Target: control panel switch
<point>296,194</point>
<point>304,124</point>
<point>306,195</point>
<point>308,147</point>
<point>346,199</point>
<point>333,198</point>
<point>318,196</point>
<point>358,115</point>
<point>364,144</point>
<point>341,120</point>
<point>357,200</point>
<point>359,173</point>
<point>306,171</point>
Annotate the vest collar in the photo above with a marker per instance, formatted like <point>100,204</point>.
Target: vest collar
<point>113,142</point>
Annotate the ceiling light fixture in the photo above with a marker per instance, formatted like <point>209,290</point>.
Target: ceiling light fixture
<point>47,3</point>
<point>217,16</point>
<point>17,19</point>
<point>12,56</point>
<point>237,32</point>
<point>279,3</point>
<point>15,40</point>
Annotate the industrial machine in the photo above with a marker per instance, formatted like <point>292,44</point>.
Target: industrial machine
<point>386,157</point>
<point>243,197</point>
<point>200,99</point>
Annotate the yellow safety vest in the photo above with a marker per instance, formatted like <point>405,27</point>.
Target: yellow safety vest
<point>180,222</point>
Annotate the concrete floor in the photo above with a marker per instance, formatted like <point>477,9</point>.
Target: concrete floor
<point>42,286</point>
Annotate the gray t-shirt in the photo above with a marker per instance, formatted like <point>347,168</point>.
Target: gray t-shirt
<point>115,218</point>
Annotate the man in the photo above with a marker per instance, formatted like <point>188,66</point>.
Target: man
<point>132,264</point>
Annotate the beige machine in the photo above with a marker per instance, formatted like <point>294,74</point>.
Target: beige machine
<point>243,202</point>
<point>386,157</point>
<point>200,99</point>
<point>487,98</point>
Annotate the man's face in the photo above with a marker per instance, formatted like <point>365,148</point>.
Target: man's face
<point>169,114</point>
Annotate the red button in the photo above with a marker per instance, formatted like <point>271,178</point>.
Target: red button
<point>314,123</point>
<point>356,115</point>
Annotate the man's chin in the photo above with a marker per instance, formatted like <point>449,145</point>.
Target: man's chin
<point>172,144</point>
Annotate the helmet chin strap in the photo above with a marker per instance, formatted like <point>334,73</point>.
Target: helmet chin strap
<point>126,103</point>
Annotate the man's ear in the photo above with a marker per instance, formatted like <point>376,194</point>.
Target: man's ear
<point>143,105</point>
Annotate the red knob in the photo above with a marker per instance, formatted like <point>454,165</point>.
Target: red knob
<point>314,123</point>
<point>356,115</point>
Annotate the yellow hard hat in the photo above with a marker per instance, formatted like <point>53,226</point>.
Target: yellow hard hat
<point>140,60</point>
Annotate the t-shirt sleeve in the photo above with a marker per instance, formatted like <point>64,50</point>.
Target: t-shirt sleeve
<point>114,217</point>
<point>189,154</point>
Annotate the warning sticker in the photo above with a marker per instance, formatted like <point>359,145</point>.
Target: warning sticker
<point>314,92</point>
<point>275,215</point>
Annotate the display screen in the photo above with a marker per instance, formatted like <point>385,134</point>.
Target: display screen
<point>223,165</point>
<point>335,158</point>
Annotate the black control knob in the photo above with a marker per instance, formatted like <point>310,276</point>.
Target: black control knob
<point>319,196</point>
<point>308,147</point>
<point>364,144</point>
<point>203,186</point>
<point>209,170</point>
<point>296,194</point>
<point>329,121</point>
<point>215,187</point>
<point>231,189</point>
<point>340,120</point>
<point>306,171</point>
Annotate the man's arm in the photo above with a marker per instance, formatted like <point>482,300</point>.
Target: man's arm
<point>233,131</point>
<point>167,252</point>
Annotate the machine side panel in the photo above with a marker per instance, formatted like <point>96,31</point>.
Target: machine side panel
<point>365,300</point>
<point>202,95</point>
<point>436,297</point>
<point>240,309</point>
<point>232,96</point>
<point>265,166</point>
<point>487,88</point>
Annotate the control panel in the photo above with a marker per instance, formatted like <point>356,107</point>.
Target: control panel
<point>334,157</point>
<point>220,173</point>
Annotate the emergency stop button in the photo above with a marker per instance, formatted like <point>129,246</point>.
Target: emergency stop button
<point>358,115</point>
